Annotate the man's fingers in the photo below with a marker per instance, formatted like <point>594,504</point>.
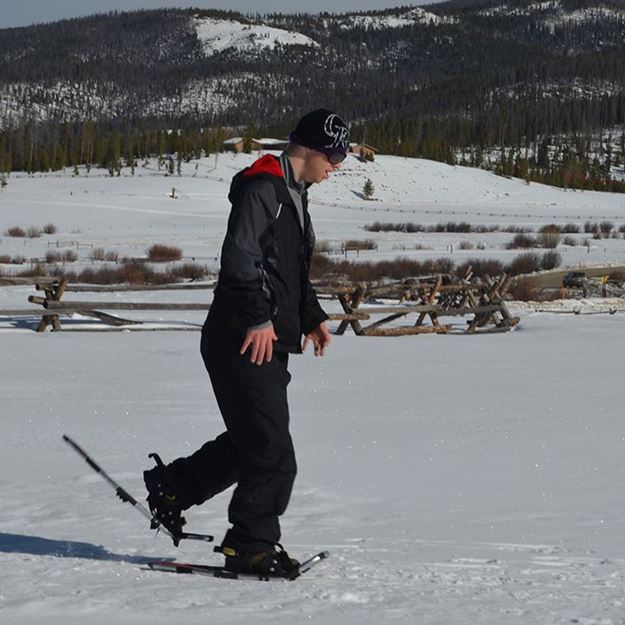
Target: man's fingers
<point>246,343</point>
<point>255,348</point>
<point>305,343</point>
<point>268,351</point>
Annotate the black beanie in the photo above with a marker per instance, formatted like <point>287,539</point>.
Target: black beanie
<point>322,130</point>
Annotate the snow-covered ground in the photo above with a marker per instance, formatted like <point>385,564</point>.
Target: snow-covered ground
<point>455,479</point>
<point>126,215</point>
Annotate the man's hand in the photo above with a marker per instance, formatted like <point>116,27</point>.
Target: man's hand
<point>261,341</point>
<point>320,338</point>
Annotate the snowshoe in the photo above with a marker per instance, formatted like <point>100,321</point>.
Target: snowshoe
<point>273,563</point>
<point>162,500</point>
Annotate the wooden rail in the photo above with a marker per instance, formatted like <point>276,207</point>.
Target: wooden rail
<point>430,298</point>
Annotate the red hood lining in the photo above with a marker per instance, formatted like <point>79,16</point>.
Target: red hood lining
<point>267,164</point>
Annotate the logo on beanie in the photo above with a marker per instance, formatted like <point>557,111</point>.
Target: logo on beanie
<point>335,129</point>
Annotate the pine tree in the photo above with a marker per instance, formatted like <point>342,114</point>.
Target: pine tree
<point>367,190</point>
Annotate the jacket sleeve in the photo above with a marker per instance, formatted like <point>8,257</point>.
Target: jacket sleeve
<point>242,277</point>
<point>313,313</point>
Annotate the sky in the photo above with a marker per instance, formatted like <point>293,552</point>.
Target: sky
<point>28,12</point>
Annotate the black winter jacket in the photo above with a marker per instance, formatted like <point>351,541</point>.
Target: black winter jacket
<point>265,260</point>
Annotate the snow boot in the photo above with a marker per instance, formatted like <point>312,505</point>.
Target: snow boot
<point>273,563</point>
<point>162,500</point>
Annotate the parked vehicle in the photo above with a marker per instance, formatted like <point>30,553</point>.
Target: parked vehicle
<point>574,280</point>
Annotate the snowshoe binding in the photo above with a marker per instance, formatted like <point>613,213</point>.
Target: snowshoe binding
<point>162,500</point>
<point>275,562</point>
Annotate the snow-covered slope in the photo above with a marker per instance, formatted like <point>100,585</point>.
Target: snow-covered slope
<point>218,35</point>
<point>128,214</point>
<point>410,17</point>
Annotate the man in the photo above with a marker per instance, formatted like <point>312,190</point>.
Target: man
<point>263,305</point>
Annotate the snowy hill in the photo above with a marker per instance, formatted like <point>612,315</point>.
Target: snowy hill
<point>219,35</point>
<point>409,17</point>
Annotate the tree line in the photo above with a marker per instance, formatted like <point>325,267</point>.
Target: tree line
<point>461,91</point>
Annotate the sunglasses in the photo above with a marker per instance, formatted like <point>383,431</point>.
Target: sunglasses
<point>334,157</point>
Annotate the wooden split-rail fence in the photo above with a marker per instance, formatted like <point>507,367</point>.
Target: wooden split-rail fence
<point>430,299</point>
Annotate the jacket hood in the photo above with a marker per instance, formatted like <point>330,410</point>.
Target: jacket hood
<point>267,165</point>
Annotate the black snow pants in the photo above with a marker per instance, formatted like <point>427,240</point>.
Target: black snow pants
<point>256,452</point>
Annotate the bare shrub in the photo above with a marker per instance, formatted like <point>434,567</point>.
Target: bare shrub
<point>15,231</point>
<point>356,244</point>
<point>69,256</point>
<point>518,229</point>
<point>18,260</point>
<point>524,290</point>
<point>191,271</point>
<point>53,257</point>
<point>480,229</point>
<point>33,232</point>
<point>591,227</point>
<point>570,228</point>
<point>34,272</point>
<point>487,267</point>
<point>522,241</point>
<point>525,263</point>
<point>160,253</point>
<point>412,228</point>
<point>550,229</point>
<point>465,245</point>
<point>606,227</point>
<point>549,240</point>
<point>398,269</point>
<point>111,257</point>
<point>5,259</point>
<point>98,253</point>
<point>622,229</point>
<point>550,260</point>
<point>49,229</point>
<point>572,241</point>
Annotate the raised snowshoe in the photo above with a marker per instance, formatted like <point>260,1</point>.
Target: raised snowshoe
<point>162,500</point>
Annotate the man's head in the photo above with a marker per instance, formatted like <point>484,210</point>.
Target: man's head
<point>318,145</point>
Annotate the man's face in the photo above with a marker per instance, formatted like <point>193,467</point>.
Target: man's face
<point>317,167</point>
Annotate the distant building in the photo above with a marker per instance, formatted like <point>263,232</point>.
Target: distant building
<point>363,150</point>
<point>269,144</point>
<point>233,145</point>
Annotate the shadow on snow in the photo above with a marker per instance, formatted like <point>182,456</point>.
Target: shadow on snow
<point>38,546</point>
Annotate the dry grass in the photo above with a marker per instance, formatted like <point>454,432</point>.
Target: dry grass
<point>358,244</point>
<point>524,290</point>
<point>133,272</point>
<point>160,253</point>
<point>15,231</point>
